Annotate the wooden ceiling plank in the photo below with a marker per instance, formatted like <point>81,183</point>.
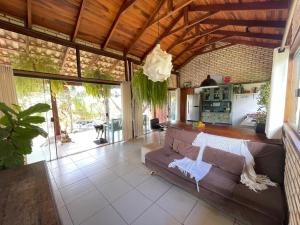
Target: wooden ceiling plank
<point>250,34</point>
<point>200,34</point>
<point>144,28</point>
<point>201,52</point>
<point>192,23</point>
<point>164,34</point>
<point>248,23</point>
<point>269,5</point>
<point>182,36</point>
<point>29,14</point>
<point>79,16</point>
<point>124,7</point>
<point>168,14</point>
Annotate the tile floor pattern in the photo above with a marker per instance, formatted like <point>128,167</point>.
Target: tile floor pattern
<point>110,186</point>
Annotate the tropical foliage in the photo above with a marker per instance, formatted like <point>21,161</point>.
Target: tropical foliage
<point>147,91</point>
<point>38,63</point>
<point>17,129</point>
<point>263,102</point>
<point>97,90</point>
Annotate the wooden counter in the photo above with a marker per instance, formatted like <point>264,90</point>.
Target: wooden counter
<point>26,197</point>
<point>225,130</point>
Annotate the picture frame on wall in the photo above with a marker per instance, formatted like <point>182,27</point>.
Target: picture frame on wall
<point>187,84</point>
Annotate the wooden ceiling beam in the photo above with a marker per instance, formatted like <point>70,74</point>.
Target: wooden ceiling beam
<point>192,23</point>
<point>144,28</point>
<point>269,5</point>
<point>248,23</point>
<point>250,34</point>
<point>170,5</point>
<point>200,34</point>
<point>124,7</point>
<point>254,43</point>
<point>190,45</point>
<point>200,52</point>
<point>212,41</point>
<point>61,41</point>
<point>29,14</point>
<point>79,16</point>
<point>170,13</point>
<point>167,30</point>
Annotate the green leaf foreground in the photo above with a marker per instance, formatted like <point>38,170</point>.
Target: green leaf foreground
<point>17,129</point>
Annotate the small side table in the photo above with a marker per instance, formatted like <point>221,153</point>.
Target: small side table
<point>148,148</point>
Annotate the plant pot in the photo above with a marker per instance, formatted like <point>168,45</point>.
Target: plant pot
<point>260,128</point>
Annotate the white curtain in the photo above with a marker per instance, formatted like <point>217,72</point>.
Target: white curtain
<point>127,110</point>
<point>276,110</point>
<point>138,119</point>
<point>8,93</point>
<point>178,104</point>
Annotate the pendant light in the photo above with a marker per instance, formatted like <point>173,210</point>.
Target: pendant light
<point>158,63</point>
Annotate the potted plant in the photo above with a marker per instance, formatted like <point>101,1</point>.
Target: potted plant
<point>17,129</point>
<point>263,103</point>
<point>147,91</point>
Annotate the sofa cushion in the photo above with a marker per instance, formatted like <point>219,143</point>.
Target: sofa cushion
<point>269,160</point>
<point>185,149</point>
<point>227,161</point>
<point>269,202</point>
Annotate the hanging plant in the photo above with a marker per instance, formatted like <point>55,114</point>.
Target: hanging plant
<point>38,63</point>
<point>97,90</point>
<point>147,91</point>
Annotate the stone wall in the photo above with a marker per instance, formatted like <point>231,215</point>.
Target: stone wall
<point>243,63</point>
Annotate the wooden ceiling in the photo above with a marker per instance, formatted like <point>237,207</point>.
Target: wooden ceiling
<point>186,27</point>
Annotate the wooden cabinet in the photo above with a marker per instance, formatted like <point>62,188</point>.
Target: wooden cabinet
<point>183,93</point>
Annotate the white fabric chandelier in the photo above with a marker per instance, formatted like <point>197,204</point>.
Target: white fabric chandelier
<point>158,64</point>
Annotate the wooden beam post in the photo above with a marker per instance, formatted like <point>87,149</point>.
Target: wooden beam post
<point>78,63</point>
<point>29,14</point>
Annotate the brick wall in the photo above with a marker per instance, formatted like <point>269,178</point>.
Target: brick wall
<point>243,63</point>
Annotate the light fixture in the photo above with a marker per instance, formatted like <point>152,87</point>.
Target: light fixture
<point>158,63</point>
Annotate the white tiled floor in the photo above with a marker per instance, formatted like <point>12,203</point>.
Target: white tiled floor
<point>110,186</point>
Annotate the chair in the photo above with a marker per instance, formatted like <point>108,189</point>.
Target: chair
<point>155,126</point>
<point>116,125</point>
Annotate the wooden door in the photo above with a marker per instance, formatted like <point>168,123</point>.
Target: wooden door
<point>183,93</point>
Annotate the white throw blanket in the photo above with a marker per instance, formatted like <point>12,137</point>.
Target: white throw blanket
<point>236,146</point>
<point>196,169</point>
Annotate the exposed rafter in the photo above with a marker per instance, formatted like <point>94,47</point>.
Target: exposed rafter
<point>125,6</point>
<point>192,23</point>
<point>79,16</point>
<point>167,30</point>
<point>212,41</point>
<point>170,5</point>
<point>249,34</point>
<point>183,35</point>
<point>200,34</point>
<point>170,13</point>
<point>241,6</point>
<point>248,23</point>
<point>29,14</point>
<point>201,51</point>
<point>253,43</point>
<point>144,28</point>
<point>190,45</point>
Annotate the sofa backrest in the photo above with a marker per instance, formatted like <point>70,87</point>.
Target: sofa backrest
<point>269,160</point>
<point>182,135</point>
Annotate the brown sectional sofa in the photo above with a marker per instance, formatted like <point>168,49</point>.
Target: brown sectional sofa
<point>222,189</point>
